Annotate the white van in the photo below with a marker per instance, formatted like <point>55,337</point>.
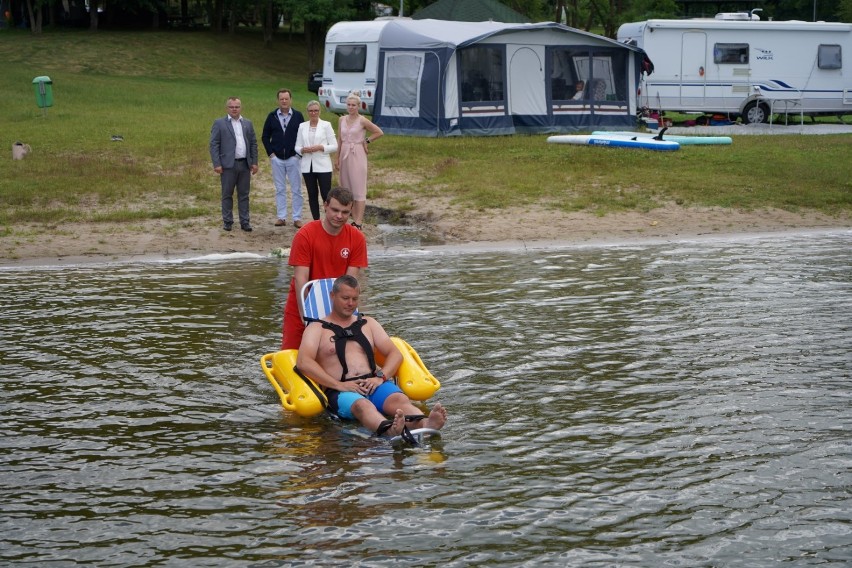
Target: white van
<point>351,63</point>
<point>736,64</point>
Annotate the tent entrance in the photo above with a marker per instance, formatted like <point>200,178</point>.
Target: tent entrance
<point>411,95</point>
<point>402,78</point>
<point>526,80</point>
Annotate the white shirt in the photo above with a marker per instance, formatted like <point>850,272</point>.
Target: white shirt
<point>240,151</point>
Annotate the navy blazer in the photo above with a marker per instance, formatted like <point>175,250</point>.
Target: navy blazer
<point>277,140</point>
<point>223,142</point>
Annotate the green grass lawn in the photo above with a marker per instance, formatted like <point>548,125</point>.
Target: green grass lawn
<point>161,92</point>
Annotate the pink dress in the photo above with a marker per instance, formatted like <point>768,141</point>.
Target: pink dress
<point>353,158</point>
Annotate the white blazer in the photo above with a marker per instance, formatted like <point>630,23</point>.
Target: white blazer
<point>321,161</point>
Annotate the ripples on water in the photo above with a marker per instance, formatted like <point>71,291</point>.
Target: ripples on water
<point>681,404</point>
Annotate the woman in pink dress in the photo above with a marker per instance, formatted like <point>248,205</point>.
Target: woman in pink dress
<point>354,132</point>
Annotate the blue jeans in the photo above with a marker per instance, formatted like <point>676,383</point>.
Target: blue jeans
<point>282,172</point>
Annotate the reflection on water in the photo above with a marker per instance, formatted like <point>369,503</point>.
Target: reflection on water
<point>684,404</point>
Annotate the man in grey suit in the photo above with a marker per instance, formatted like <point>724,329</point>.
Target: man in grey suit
<point>233,149</point>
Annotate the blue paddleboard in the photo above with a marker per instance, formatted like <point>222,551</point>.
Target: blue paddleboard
<point>614,141</point>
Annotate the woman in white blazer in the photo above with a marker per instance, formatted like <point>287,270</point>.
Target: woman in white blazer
<point>315,142</point>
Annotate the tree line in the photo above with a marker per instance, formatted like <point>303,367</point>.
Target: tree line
<point>312,18</point>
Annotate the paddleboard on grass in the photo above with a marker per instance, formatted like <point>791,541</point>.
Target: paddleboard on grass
<point>682,140</point>
<point>614,141</point>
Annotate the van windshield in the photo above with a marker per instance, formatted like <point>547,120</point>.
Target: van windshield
<point>350,58</point>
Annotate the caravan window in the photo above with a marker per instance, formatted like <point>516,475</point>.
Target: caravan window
<point>482,73</point>
<point>829,57</point>
<point>730,53</point>
<point>350,58</point>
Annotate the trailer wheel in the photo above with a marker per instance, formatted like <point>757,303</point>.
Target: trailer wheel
<point>755,113</point>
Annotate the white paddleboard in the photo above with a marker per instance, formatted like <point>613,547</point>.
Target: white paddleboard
<point>682,140</point>
<point>614,141</point>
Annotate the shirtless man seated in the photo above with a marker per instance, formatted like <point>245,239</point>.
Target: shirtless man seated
<point>337,353</point>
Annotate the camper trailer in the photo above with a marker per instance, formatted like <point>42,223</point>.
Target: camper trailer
<point>739,65</point>
<point>350,63</point>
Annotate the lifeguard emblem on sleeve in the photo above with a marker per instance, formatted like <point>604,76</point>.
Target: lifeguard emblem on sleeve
<point>344,253</point>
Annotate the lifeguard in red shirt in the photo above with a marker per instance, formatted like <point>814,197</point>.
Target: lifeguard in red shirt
<point>327,248</point>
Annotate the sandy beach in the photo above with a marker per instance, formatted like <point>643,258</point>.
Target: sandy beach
<point>435,223</point>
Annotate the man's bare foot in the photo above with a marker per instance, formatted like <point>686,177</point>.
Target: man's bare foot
<point>437,417</point>
<point>398,424</point>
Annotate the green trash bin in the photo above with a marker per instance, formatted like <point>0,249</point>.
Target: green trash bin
<point>43,88</point>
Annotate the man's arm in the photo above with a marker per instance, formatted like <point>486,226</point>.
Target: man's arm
<point>300,278</point>
<point>358,251</point>
<point>215,144</point>
<point>300,118</point>
<point>383,344</point>
<point>266,135</point>
<point>252,148</point>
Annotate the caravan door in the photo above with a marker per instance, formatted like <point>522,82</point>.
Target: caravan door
<point>526,80</point>
<point>693,69</point>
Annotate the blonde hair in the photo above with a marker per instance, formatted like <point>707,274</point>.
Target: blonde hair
<point>355,95</point>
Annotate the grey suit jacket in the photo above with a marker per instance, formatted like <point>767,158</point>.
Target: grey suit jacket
<point>223,142</point>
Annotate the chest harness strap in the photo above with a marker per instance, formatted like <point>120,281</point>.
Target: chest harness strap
<point>356,334</point>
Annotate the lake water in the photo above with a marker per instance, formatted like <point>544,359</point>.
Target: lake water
<point>672,404</point>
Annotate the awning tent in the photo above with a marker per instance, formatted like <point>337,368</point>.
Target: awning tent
<point>444,78</point>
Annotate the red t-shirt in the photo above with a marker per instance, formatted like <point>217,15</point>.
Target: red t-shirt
<point>327,256</point>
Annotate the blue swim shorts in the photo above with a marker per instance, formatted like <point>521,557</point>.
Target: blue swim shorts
<point>340,403</point>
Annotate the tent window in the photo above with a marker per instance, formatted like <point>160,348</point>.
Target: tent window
<point>565,80</point>
<point>581,75</point>
<point>403,74</point>
<point>730,53</point>
<point>830,57</point>
<point>350,58</point>
<point>482,72</point>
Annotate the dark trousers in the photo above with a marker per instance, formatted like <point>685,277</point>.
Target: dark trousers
<point>238,177</point>
<point>317,183</point>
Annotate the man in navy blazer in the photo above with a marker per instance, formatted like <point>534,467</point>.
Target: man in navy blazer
<point>279,140</point>
<point>233,149</point>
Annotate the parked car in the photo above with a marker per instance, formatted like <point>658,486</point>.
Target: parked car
<point>315,81</point>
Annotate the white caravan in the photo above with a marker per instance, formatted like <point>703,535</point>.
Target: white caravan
<point>736,64</point>
<point>351,63</point>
